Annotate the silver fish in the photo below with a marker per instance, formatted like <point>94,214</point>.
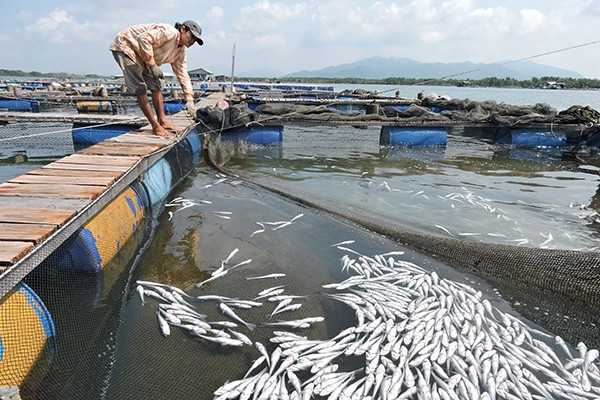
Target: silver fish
<point>212,278</point>
<point>291,307</point>
<point>242,337</point>
<point>269,291</point>
<point>248,261</point>
<point>281,305</point>
<point>229,312</point>
<point>164,326</point>
<point>140,291</point>
<point>223,341</point>
<point>275,275</point>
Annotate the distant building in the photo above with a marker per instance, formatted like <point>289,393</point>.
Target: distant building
<point>200,74</point>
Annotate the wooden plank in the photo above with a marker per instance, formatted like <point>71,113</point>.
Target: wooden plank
<point>75,172</point>
<point>13,251</point>
<point>140,138</point>
<point>25,203</point>
<point>35,215</point>
<point>110,148</point>
<point>34,233</point>
<point>51,191</point>
<point>64,180</point>
<point>94,159</point>
<point>85,167</point>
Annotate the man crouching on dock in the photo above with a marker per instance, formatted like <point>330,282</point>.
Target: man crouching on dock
<point>140,49</point>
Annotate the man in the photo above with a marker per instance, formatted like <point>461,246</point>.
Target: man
<point>140,49</point>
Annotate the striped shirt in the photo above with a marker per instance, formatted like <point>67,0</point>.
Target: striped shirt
<point>156,44</point>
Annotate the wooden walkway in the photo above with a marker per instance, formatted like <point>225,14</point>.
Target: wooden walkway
<point>55,200</point>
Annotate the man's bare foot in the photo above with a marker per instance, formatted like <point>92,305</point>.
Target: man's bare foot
<point>168,126</point>
<point>160,131</point>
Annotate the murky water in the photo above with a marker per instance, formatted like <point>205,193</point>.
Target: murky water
<point>471,188</point>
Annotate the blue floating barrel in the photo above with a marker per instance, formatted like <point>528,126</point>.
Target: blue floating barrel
<point>173,106</point>
<point>158,181</point>
<point>537,138</point>
<point>18,105</point>
<point>265,135</point>
<point>412,136</point>
<point>97,242</point>
<point>25,334</point>
<point>92,134</point>
<point>196,145</point>
<point>401,107</point>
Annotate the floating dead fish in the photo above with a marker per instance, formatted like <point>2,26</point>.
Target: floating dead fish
<point>275,275</point>
<point>229,312</point>
<point>421,335</point>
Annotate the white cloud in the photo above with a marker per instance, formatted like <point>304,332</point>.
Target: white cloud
<point>529,21</point>
<point>308,34</point>
<point>265,15</point>
<point>216,14</point>
<point>59,27</point>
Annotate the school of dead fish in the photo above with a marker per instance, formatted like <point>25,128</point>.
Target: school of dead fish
<point>416,335</point>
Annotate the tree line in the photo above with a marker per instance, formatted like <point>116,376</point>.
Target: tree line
<point>37,74</point>
<point>569,83</point>
<point>534,82</point>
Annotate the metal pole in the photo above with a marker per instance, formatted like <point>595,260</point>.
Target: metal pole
<point>232,68</point>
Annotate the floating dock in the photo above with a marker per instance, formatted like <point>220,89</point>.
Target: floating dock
<point>42,208</point>
<point>75,215</point>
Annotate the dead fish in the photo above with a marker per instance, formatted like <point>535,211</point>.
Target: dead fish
<point>212,297</point>
<point>230,256</point>
<point>248,261</point>
<point>291,307</point>
<point>241,336</point>
<point>229,312</point>
<point>281,305</point>
<point>223,341</point>
<point>276,275</point>
<point>140,290</point>
<point>164,326</point>
<point>212,278</point>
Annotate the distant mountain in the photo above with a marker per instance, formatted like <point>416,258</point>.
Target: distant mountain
<point>380,68</point>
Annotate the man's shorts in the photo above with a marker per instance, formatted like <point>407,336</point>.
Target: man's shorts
<point>137,80</point>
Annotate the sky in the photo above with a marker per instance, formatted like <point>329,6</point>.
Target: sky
<point>283,37</point>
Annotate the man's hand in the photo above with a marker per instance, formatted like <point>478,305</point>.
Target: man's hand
<point>190,108</point>
<point>156,72</point>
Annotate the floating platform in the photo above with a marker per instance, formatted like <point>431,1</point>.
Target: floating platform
<point>75,215</point>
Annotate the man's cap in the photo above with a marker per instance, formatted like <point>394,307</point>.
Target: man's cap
<point>195,29</point>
